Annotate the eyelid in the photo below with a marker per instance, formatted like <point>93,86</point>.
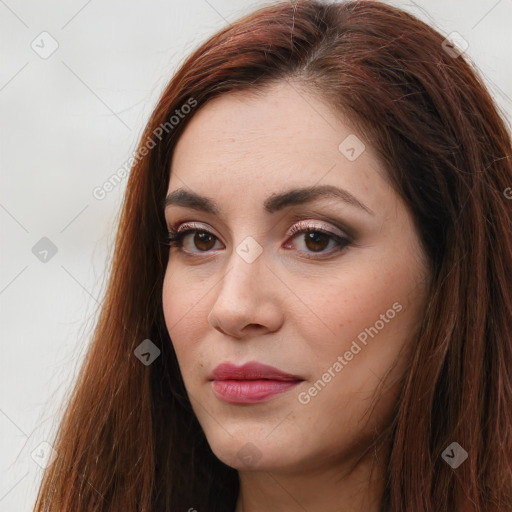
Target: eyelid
<point>186,226</point>
<point>311,225</point>
<point>300,224</point>
<point>344,229</point>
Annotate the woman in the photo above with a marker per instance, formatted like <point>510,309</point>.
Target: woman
<point>309,305</point>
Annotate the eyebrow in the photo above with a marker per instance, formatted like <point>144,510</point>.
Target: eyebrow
<point>275,202</point>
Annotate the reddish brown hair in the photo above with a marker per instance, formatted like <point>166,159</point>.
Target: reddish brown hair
<point>129,440</point>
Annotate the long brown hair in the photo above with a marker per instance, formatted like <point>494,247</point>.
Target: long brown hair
<point>129,440</point>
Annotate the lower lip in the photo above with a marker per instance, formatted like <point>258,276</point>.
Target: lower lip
<point>250,391</point>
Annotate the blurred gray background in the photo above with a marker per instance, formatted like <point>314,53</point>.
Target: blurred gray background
<point>78,80</point>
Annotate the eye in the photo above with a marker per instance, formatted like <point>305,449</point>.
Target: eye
<point>316,239</point>
<point>202,240</point>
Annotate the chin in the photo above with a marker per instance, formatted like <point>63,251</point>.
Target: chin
<point>253,452</point>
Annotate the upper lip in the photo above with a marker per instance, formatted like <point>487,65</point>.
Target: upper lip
<point>250,371</point>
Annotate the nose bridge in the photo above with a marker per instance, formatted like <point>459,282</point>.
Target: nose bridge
<point>246,299</point>
<point>244,269</point>
<point>242,299</point>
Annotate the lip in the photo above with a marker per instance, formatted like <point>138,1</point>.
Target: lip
<point>250,383</point>
<point>250,371</point>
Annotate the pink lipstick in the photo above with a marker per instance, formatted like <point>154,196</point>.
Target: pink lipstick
<point>251,383</point>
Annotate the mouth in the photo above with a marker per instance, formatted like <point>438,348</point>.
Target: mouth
<point>251,383</point>
<point>250,391</point>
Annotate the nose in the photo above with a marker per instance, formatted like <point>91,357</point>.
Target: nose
<point>247,301</point>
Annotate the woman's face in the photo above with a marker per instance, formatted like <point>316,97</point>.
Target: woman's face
<point>333,307</point>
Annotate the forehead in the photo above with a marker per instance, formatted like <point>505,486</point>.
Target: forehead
<point>281,138</point>
<point>281,122</point>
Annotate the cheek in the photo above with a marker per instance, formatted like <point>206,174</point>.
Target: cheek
<point>335,313</point>
<point>373,317</point>
<point>185,317</point>
<point>365,316</point>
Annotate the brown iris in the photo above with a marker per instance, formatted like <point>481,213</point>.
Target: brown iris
<point>204,238</point>
<point>315,241</point>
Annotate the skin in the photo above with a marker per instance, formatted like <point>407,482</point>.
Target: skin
<point>287,310</point>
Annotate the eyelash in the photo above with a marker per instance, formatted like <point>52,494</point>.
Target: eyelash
<point>175,238</point>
